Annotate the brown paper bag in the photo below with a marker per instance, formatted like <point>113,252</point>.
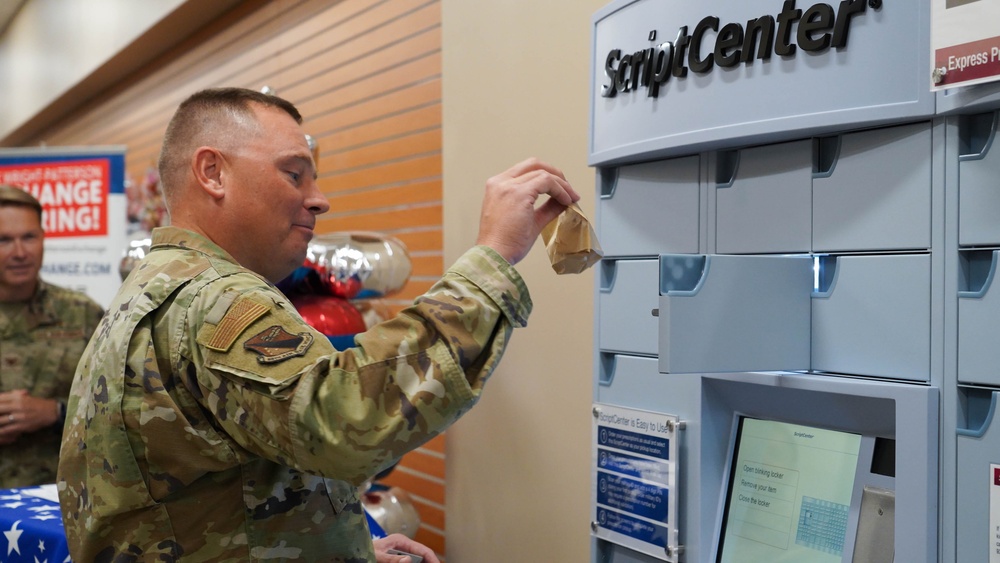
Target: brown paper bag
<point>571,242</point>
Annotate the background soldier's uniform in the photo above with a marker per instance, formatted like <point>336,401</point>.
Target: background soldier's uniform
<point>209,422</point>
<point>41,342</point>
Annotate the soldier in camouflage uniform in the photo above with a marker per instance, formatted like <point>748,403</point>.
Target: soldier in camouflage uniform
<point>43,331</point>
<point>208,421</point>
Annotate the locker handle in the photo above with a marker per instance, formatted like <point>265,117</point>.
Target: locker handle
<point>826,152</point>
<point>683,274</point>
<point>727,164</point>
<point>976,134</point>
<point>981,413</point>
<point>608,181</point>
<point>826,273</point>
<point>608,363</point>
<point>978,277</point>
<point>608,273</point>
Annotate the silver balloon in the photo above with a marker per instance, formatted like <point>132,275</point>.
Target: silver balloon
<point>393,510</point>
<point>360,264</point>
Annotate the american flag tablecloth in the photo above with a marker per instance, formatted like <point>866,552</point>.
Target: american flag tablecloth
<point>31,528</point>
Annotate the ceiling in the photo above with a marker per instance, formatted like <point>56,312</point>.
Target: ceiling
<point>9,9</point>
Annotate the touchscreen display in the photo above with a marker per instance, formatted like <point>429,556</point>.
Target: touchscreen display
<point>789,494</point>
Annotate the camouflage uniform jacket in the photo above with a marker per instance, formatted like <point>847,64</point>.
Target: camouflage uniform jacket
<point>39,349</point>
<point>209,422</point>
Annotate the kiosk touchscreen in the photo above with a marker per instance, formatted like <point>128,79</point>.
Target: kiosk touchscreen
<point>789,493</point>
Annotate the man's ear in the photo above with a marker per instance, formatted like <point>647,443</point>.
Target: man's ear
<point>207,166</point>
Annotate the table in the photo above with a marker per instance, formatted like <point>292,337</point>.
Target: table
<point>31,528</point>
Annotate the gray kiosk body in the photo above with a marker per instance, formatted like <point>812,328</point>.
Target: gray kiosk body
<point>801,240</point>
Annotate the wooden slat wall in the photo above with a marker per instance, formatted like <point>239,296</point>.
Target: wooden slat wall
<point>366,75</point>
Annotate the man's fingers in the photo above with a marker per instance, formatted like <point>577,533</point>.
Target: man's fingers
<point>543,182</point>
<point>531,164</point>
<point>547,212</point>
<point>512,214</point>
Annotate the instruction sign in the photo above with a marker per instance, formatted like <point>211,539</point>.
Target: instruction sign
<point>634,502</point>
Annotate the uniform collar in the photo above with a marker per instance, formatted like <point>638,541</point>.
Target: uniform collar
<point>176,237</point>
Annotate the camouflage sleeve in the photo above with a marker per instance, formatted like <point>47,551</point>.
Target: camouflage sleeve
<point>283,393</point>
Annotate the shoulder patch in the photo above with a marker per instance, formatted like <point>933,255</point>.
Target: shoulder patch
<point>237,318</point>
<point>275,344</point>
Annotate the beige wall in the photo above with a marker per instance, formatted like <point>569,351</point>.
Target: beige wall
<point>516,76</point>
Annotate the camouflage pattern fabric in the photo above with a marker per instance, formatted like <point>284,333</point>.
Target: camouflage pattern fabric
<point>209,422</point>
<point>41,342</point>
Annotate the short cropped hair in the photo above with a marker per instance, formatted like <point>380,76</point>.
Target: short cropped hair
<point>16,197</point>
<point>212,117</point>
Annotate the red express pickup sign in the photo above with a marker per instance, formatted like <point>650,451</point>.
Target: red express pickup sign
<point>73,194</point>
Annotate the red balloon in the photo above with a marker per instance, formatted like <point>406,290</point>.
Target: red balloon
<point>348,289</point>
<point>332,316</point>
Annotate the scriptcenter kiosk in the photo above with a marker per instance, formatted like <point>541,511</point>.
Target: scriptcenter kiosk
<point>797,343</point>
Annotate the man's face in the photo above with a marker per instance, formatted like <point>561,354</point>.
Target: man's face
<point>21,249</point>
<point>276,196</point>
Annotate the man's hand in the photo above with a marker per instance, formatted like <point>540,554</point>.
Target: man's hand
<point>20,413</point>
<point>510,222</point>
<point>402,543</point>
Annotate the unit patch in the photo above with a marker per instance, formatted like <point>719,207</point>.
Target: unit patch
<point>275,344</point>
